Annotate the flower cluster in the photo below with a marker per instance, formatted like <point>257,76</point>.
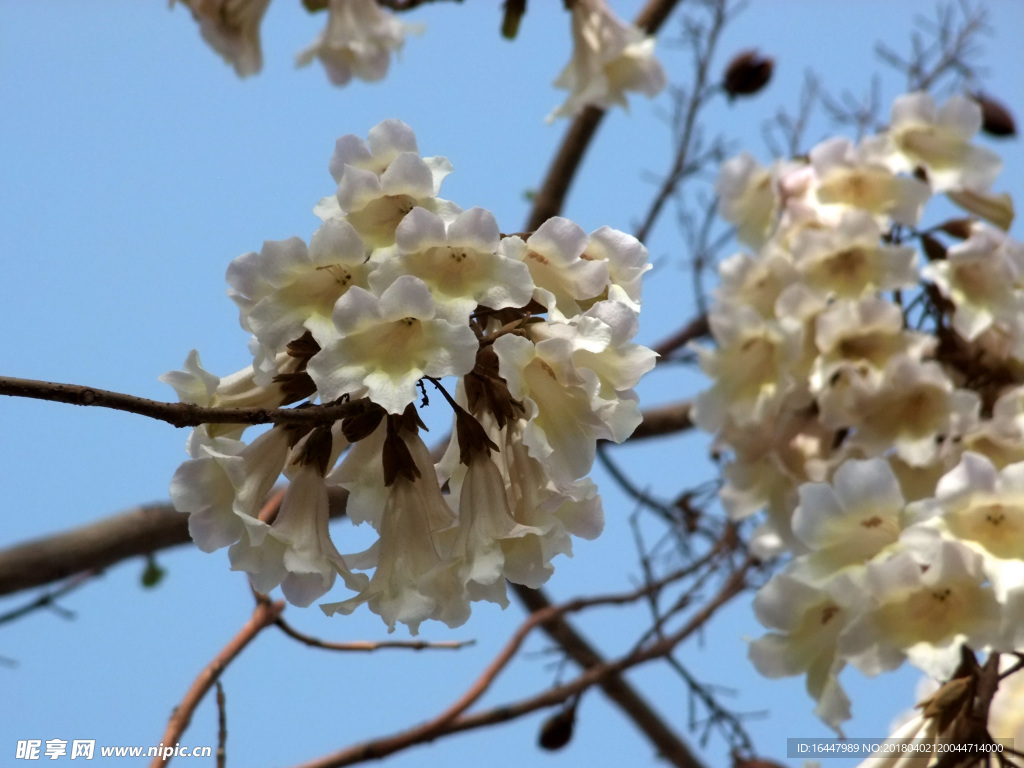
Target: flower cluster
<point>866,391</point>
<point>398,286</point>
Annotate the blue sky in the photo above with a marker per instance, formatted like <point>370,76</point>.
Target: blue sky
<point>135,166</point>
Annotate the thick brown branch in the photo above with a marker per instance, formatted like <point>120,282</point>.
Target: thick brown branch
<point>103,543</point>
<point>265,615</point>
<point>666,420</point>
<point>693,330</point>
<point>175,414</point>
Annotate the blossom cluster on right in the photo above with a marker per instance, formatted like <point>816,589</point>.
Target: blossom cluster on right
<point>866,393</point>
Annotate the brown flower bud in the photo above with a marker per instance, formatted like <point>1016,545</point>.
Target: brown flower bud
<point>556,731</point>
<point>513,14</point>
<point>747,73</point>
<point>996,119</point>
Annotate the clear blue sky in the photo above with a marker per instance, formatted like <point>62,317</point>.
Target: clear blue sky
<point>134,166</point>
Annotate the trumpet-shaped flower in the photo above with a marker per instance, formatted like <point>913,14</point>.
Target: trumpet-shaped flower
<point>850,177</point>
<point>288,289</point>
<point>609,58</point>
<point>358,41</point>
<point>232,29</point>
<point>460,262</point>
<point>387,344</point>
<point>939,140</point>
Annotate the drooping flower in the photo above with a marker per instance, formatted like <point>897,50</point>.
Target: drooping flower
<point>939,140</point>
<point>232,29</point>
<point>610,57</point>
<point>358,41</point>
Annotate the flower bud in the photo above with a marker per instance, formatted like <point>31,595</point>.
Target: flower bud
<point>996,119</point>
<point>556,731</point>
<point>747,73</point>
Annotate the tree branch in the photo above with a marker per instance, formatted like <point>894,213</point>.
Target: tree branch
<point>265,614</point>
<point>446,724</point>
<point>615,687</point>
<point>175,414</point>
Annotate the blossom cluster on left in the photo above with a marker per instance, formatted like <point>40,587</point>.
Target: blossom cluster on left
<point>396,289</point>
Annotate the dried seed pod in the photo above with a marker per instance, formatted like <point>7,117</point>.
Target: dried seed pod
<point>557,729</point>
<point>996,119</point>
<point>747,73</point>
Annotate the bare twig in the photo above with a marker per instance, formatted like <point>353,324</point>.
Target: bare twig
<point>265,614</point>
<point>367,645</point>
<point>175,414</point>
<point>49,599</point>
<point>222,727</point>
<point>597,674</point>
<point>699,94</point>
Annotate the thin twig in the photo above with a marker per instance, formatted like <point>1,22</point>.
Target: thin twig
<point>368,645</point>
<point>700,93</point>
<point>222,727</point>
<point>49,599</point>
<point>264,615</point>
<point>176,414</point>
<point>598,674</point>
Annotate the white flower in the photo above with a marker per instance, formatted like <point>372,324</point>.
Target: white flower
<point>295,288</point>
<point>808,620</point>
<point>755,281</point>
<point>460,263</point>
<point>911,406</point>
<point>752,366</point>
<point>609,58</point>
<point>389,343</point>
<point>608,363</point>
<point>979,504</point>
<point>748,198</point>
<point>981,276</point>
<point>554,254</point>
<point>413,580</point>
<point>357,42</point>
<point>923,602</point>
<point>866,331</point>
<point>627,262</point>
<point>375,204</point>
<point>937,138</point>
<point>848,176</point>
<point>562,428</point>
<point>847,260</point>
<point>232,29</point>
<point>384,143</point>
<point>849,520</point>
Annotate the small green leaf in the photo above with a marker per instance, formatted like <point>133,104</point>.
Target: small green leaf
<point>153,574</point>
